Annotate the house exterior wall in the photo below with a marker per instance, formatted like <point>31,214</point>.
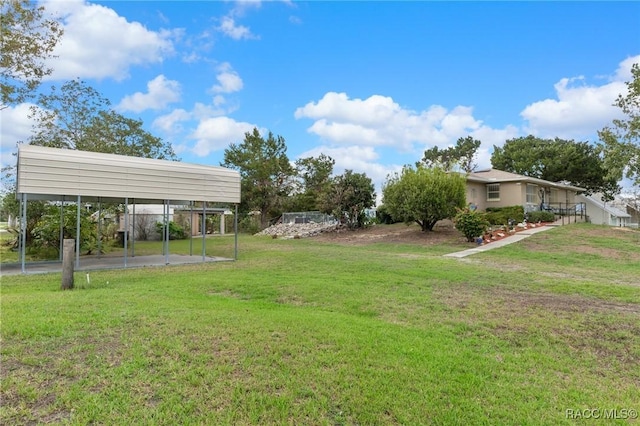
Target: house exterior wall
<point>515,194</point>
<point>597,215</point>
<point>511,194</point>
<point>477,195</point>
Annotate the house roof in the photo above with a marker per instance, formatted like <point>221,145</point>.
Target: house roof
<point>609,208</point>
<point>498,176</point>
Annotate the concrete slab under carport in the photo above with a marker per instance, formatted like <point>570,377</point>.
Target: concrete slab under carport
<point>94,263</point>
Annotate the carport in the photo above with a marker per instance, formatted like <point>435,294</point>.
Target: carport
<point>63,175</point>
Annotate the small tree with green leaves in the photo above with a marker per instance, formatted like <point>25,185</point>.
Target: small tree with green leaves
<point>424,195</point>
<point>349,196</point>
<point>46,231</point>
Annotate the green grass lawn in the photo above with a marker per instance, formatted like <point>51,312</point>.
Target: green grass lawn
<point>309,332</point>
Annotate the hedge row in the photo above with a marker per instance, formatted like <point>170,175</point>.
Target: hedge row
<point>501,215</point>
<point>540,216</point>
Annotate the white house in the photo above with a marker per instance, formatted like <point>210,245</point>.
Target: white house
<point>603,213</point>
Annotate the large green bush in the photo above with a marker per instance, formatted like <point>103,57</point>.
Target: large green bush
<point>501,215</point>
<point>383,215</point>
<point>46,232</point>
<point>471,223</point>
<point>176,232</point>
<point>249,225</point>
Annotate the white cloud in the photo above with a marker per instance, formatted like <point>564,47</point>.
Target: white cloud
<point>623,73</point>
<point>213,134</point>
<point>380,121</point>
<point>242,6</point>
<point>97,43</point>
<point>579,110</point>
<point>160,93</point>
<point>229,28</point>
<point>16,127</point>
<point>171,123</point>
<point>228,80</point>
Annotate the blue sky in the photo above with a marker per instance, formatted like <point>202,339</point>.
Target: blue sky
<point>372,84</point>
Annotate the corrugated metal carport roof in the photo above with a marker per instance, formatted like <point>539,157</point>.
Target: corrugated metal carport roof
<point>51,173</point>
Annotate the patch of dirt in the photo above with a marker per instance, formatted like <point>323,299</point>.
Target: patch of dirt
<point>398,233</point>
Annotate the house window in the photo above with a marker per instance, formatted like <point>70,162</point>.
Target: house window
<point>493,192</point>
<point>531,194</point>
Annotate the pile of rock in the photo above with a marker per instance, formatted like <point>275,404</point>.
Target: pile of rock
<point>297,230</point>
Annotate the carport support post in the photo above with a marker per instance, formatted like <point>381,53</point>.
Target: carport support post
<point>78,232</point>
<point>190,228</point>
<point>204,227</point>
<point>133,226</point>
<point>23,231</point>
<point>61,227</point>
<point>99,226</point>
<point>126,229</point>
<point>166,231</point>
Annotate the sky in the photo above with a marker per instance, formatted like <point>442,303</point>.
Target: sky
<point>371,84</point>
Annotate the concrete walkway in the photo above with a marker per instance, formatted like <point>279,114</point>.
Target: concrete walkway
<point>518,236</point>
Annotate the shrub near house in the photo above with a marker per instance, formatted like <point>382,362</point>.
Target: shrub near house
<point>471,223</point>
<point>502,215</point>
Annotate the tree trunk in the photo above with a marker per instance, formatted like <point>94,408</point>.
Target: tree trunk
<point>67,264</point>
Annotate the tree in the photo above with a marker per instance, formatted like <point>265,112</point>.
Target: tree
<point>78,117</point>
<point>466,149</point>
<point>28,39</point>
<point>462,155</point>
<point>265,171</point>
<point>424,195</point>
<point>555,160</point>
<point>622,141</point>
<point>314,174</point>
<point>46,231</point>
<point>349,196</point>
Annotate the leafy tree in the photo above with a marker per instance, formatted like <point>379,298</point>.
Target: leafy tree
<point>78,117</point>
<point>555,160</point>
<point>466,149</point>
<point>46,231</point>
<point>383,215</point>
<point>462,155</point>
<point>348,198</point>
<point>314,174</point>
<point>265,171</point>
<point>28,39</point>
<point>622,141</point>
<point>424,195</point>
